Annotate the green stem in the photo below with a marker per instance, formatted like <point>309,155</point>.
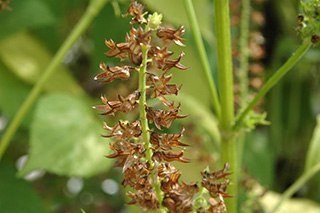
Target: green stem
<point>244,51</point>
<point>273,80</point>
<point>144,124</point>
<point>142,103</point>
<point>93,9</point>
<point>243,70</point>
<point>297,185</point>
<point>228,145</point>
<point>203,55</point>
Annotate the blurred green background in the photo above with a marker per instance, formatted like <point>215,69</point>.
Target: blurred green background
<point>56,163</point>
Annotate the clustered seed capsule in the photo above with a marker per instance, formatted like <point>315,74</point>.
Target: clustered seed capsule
<point>128,146</point>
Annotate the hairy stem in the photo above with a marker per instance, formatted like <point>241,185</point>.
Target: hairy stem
<point>273,80</point>
<point>228,145</point>
<point>307,175</point>
<point>203,55</point>
<point>92,10</point>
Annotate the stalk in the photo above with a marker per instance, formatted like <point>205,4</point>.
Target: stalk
<point>203,56</point>
<point>92,10</point>
<point>307,175</point>
<point>244,51</point>
<point>144,124</point>
<point>228,145</point>
<point>273,80</point>
<point>142,102</point>
<point>243,70</point>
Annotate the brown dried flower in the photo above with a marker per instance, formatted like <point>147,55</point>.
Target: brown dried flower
<point>217,207</point>
<point>123,131</point>
<point>169,63</point>
<point>163,88</point>
<point>4,5</point>
<point>168,103</point>
<point>167,140</point>
<point>162,117</point>
<point>112,73</point>
<point>145,199</point>
<point>126,153</point>
<point>117,50</point>
<point>159,55</point>
<point>171,34</point>
<point>124,104</point>
<point>136,10</point>
<point>169,156</point>
<point>212,182</point>
<point>136,176</point>
<point>178,196</point>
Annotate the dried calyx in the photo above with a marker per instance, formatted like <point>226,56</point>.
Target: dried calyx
<point>144,154</point>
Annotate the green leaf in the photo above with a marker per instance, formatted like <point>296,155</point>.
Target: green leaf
<point>24,14</point>
<point>66,138</point>
<point>313,155</point>
<point>17,195</point>
<point>259,158</point>
<point>27,58</point>
<point>12,94</point>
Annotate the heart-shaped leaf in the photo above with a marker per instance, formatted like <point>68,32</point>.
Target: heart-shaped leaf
<point>65,138</point>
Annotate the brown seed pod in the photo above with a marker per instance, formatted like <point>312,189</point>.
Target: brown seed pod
<point>300,18</point>
<point>315,39</point>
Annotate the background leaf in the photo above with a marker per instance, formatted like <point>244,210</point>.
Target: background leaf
<point>28,13</point>
<point>313,155</point>
<point>17,195</point>
<point>27,58</point>
<point>65,138</point>
<point>12,94</point>
<point>258,158</point>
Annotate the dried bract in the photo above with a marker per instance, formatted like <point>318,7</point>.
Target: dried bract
<point>159,55</point>
<point>111,73</point>
<point>126,153</point>
<point>136,10</point>
<point>216,182</point>
<point>170,104</point>
<point>217,207</point>
<point>145,199</point>
<point>117,50</point>
<point>167,140</point>
<point>170,63</point>
<point>123,131</point>
<point>124,104</point>
<point>169,156</point>
<point>163,117</point>
<point>171,34</point>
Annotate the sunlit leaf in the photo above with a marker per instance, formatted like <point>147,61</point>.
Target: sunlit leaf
<point>27,59</point>
<point>17,195</point>
<point>65,138</point>
<point>25,14</point>
<point>313,155</point>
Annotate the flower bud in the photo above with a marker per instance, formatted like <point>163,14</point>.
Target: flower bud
<point>154,21</point>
